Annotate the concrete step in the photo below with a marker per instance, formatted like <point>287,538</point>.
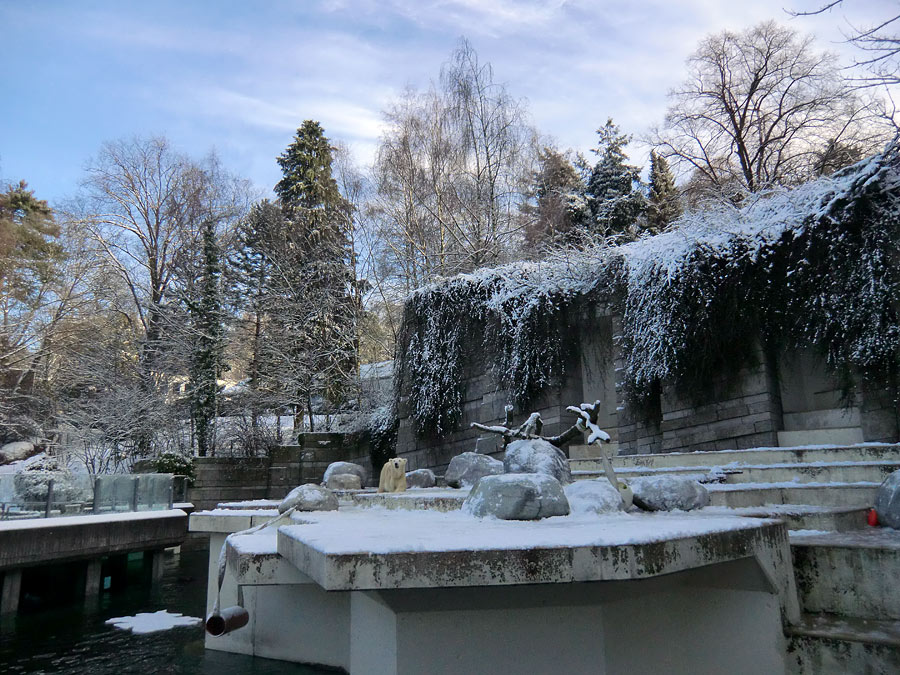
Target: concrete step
<point>860,494</point>
<point>866,452</point>
<point>833,418</point>
<point>823,643</point>
<point>801,516</point>
<point>842,436</point>
<point>817,472</point>
<point>592,451</point>
<point>851,574</point>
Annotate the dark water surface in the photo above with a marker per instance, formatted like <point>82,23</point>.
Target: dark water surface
<point>73,639</point>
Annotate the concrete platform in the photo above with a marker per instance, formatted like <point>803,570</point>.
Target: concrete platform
<point>815,472</point>
<point>853,574</point>
<point>756,456</point>
<point>823,643</point>
<point>394,591</point>
<point>801,516</point>
<point>24,543</point>
<point>859,494</point>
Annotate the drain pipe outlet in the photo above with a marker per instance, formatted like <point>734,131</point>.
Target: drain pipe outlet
<point>229,619</point>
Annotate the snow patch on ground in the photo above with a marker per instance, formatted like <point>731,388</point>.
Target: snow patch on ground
<point>151,622</point>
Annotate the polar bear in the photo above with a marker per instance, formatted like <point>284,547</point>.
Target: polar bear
<point>393,476</point>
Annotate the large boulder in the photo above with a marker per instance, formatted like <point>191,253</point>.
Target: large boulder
<point>517,496</point>
<point>309,497</point>
<point>467,468</point>
<point>535,455</point>
<point>336,468</point>
<point>343,481</point>
<point>13,452</point>
<point>887,501</point>
<point>668,493</point>
<point>593,496</point>
<point>420,478</point>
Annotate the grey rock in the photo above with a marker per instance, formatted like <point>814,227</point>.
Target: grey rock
<point>13,452</point>
<point>343,481</point>
<point>467,468</point>
<point>336,468</point>
<point>668,493</point>
<point>887,501</point>
<point>537,456</point>
<point>517,496</point>
<point>593,496</point>
<point>420,478</point>
<point>309,497</point>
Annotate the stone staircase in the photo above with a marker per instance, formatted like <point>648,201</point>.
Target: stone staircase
<point>847,573</point>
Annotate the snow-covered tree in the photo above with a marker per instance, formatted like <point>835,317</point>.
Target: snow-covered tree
<point>663,205</point>
<point>614,189</point>
<point>559,206</point>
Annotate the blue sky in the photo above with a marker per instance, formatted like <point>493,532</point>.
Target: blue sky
<point>240,77</point>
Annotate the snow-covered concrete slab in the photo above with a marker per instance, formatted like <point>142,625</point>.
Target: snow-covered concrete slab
<point>433,499</point>
<point>380,549</point>
<point>226,520</point>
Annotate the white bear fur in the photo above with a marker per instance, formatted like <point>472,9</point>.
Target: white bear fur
<point>393,476</point>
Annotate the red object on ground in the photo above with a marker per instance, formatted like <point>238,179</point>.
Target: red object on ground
<point>873,517</point>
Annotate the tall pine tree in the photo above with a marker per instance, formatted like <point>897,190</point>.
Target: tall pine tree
<point>318,250</point>
<point>614,189</point>
<point>663,204</point>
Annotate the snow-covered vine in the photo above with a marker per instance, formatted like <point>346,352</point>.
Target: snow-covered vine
<point>816,267</point>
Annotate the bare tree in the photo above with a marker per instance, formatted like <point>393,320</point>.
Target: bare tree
<point>879,44</point>
<point>759,107</point>
<point>451,174</point>
<point>145,207</point>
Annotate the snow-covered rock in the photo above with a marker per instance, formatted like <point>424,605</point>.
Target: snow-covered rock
<point>13,452</point>
<point>536,455</point>
<point>309,497</point>
<point>343,481</point>
<point>593,496</point>
<point>668,493</point>
<point>467,468</point>
<point>887,501</point>
<point>420,478</point>
<point>336,468</point>
<point>517,496</point>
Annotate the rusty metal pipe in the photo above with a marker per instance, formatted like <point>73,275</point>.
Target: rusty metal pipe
<point>229,619</point>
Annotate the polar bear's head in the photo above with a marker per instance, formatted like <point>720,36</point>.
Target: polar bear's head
<point>399,464</point>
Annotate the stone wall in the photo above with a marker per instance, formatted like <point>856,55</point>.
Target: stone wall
<point>221,479</point>
<point>231,479</point>
<point>742,409</point>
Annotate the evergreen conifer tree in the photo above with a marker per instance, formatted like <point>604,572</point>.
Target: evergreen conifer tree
<point>614,187</point>
<point>663,205</point>
<point>315,270</point>
<point>208,345</point>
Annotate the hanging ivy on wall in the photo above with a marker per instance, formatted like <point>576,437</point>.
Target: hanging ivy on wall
<point>813,267</point>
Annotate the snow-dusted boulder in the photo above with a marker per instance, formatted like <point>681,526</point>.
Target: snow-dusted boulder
<point>13,452</point>
<point>668,493</point>
<point>420,478</point>
<point>336,468</point>
<point>887,501</point>
<point>517,496</point>
<point>309,497</point>
<point>535,455</point>
<point>467,468</point>
<point>343,481</point>
<point>593,496</point>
